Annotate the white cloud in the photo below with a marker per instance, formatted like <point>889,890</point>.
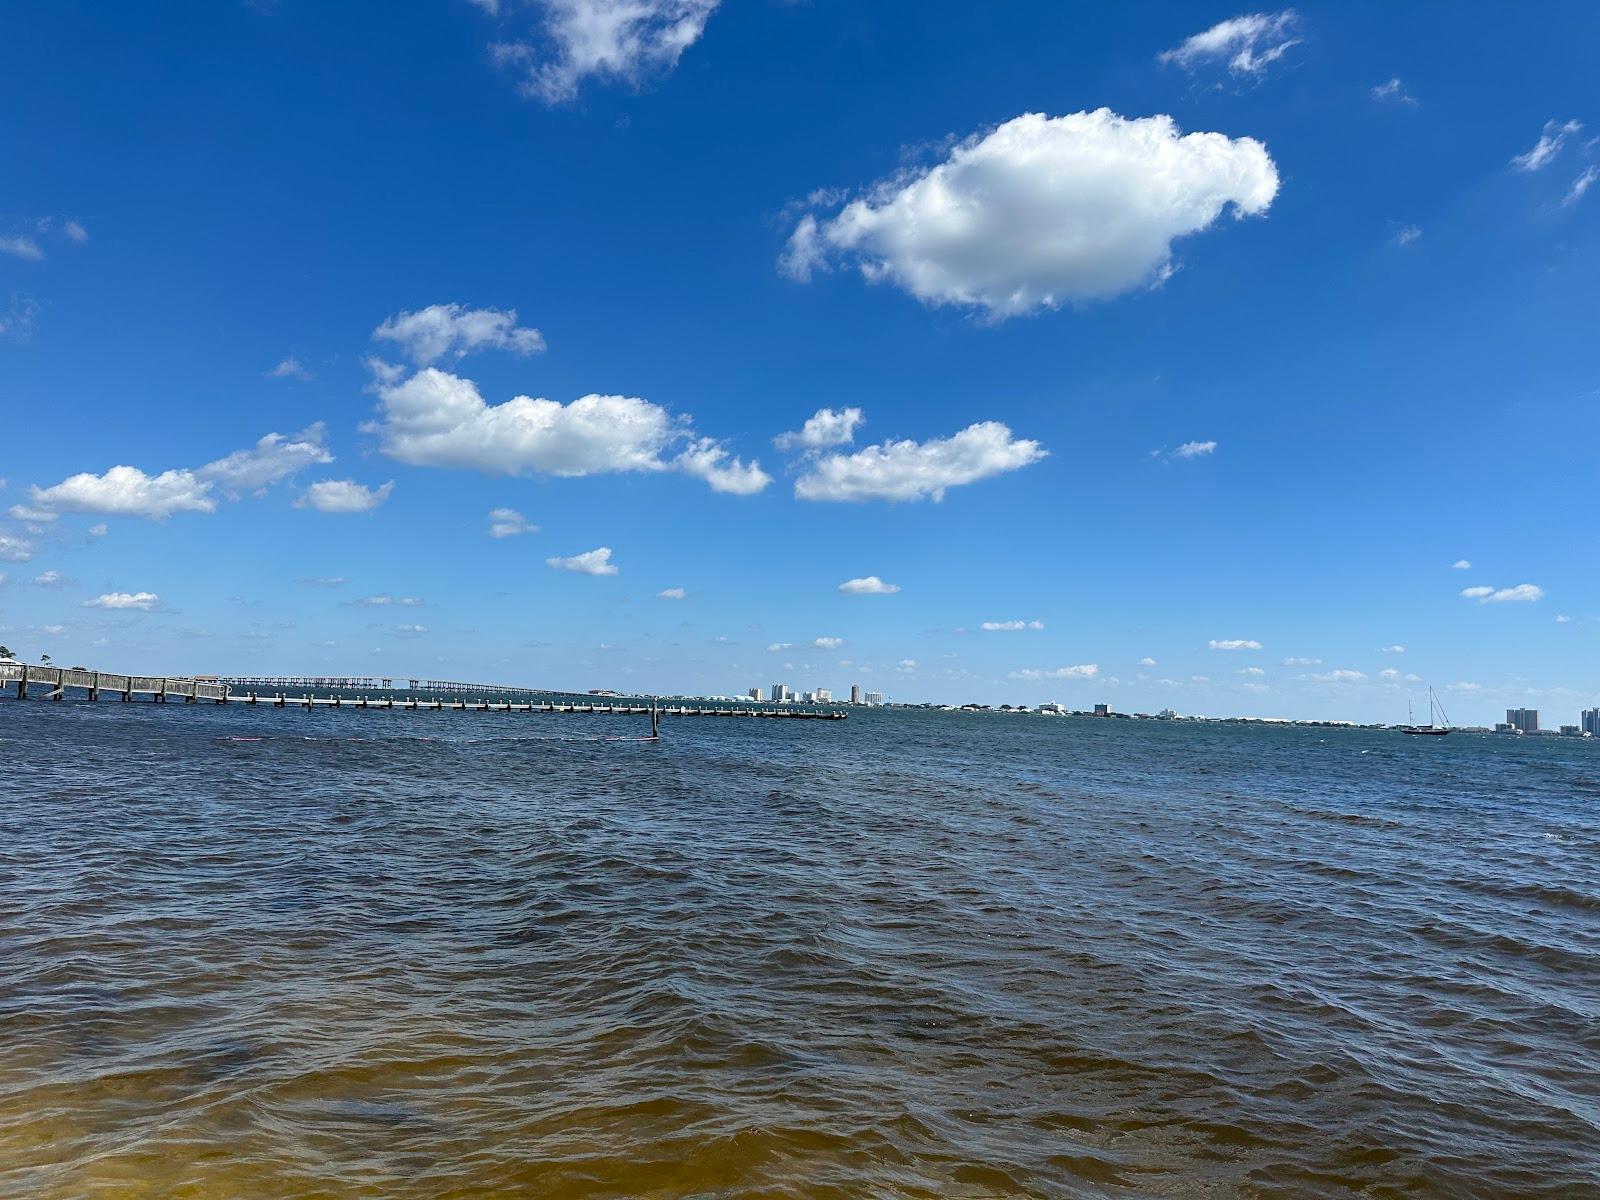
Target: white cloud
<point>1250,43</point>
<point>1082,671</point>
<point>1408,234</point>
<point>49,579</point>
<point>344,496</point>
<point>1302,662</point>
<point>18,318</point>
<point>1010,626</point>
<point>410,630</point>
<point>1544,152</point>
<point>672,593</point>
<point>384,600</point>
<point>75,231</point>
<point>711,461</point>
<point>289,368</point>
<point>907,665</point>
<point>273,458</point>
<point>96,531</point>
<point>822,429</point>
<point>779,647</point>
<point>15,549</point>
<point>1041,212</point>
<point>1522,593</point>
<point>1563,619</point>
<point>1394,649</point>
<point>869,585</point>
<point>435,419</point>
<point>828,643</point>
<point>1393,90</point>
<point>1235,644</point>
<point>1582,184</point>
<point>1340,676</point>
<point>1394,676</point>
<point>1256,671</point>
<point>508,522</point>
<point>1461,564</point>
<point>1147,662</point>
<point>590,562</point>
<point>21,246</point>
<point>21,512</point>
<point>624,41</point>
<point>143,601</point>
<point>427,335</point>
<point>1195,450</point>
<point>1465,686</point>
<point>910,470</point>
<point>129,492</point>
<point>52,630</point>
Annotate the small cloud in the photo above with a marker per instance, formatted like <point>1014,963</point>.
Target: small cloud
<point>508,522</point>
<point>1466,687</point>
<point>1147,662</point>
<point>52,630</point>
<point>1461,564</point>
<point>410,630</point>
<point>1407,235</point>
<point>823,429</point>
<point>49,579</point>
<point>1251,671</point>
<point>828,643</point>
<point>385,600</point>
<point>75,231</point>
<point>1249,43</point>
<point>1582,184</point>
<point>1395,649</point>
<point>95,532</point>
<point>1340,676</point>
<point>590,562</point>
<point>343,496</point>
<point>15,549</point>
<point>324,581</point>
<point>1393,91</point>
<point>672,593</point>
<point>1522,593</point>
<point>907,665</point>
<point>1563,619</point>
<point>1195,450</point>
<point>1081,671</point>
<point>1010,626</point>
<point>780,647</point>
<point>1545,150</point>
<point>431,333</point>
<point>21,247</point>
<point>21,512</point>
<point>868,585</point>
<point>1302,662</point>
<point>289,368</point>
<point>142,601</point>
<point>1234,644</point>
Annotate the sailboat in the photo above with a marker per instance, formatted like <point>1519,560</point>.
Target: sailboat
<point>1430,729</point>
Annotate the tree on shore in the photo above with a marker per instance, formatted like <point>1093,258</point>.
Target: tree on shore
<point>5,654</point>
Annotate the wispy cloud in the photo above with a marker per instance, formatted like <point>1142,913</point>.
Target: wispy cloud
<point>508,522</point>
<point>1234,644</point>
<point>141,601</point>
<point>1522,593</point>
<point>1081,671</point>
<point>1010,626</point>
<point>671,593</point>
<point>1393,91</point>
<point>1548,147</point>
<point>1249,43</point>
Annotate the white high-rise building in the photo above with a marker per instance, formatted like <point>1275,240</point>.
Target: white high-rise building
<point>824,696</point>
<point>781,693</point>
<point>1591,721</point>
<point>874,697</point>
<point>755,693</point>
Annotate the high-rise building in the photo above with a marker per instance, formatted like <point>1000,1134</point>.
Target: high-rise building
<point>824,696</point>
<point>1102,710</point>
<point>874,697</point>
<point>781,692</point>
<point>1524,720</point>
<point>755,693</point>
<point>1591,721</point>
<point>855,693</point>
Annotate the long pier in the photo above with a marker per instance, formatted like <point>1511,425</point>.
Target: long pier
<point>56,683</point>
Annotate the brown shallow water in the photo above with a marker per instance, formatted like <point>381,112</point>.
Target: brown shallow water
<point>473,955</point>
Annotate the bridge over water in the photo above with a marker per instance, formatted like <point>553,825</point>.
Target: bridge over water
<point>368,692</point>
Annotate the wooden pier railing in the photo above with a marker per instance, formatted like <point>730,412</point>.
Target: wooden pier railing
<point>55,683</point>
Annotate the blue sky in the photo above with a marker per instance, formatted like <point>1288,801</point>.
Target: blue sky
<point>1149,333</point>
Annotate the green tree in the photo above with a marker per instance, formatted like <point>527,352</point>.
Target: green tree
<point>5,652</point>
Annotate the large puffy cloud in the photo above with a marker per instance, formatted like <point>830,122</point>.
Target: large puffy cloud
<point>622,40</point>
<point>1042,211</point>
<point>273,458</point>
<point>436,419</point>
<point>128,492</point>
<point>909,470</point>
<point>429,334</point>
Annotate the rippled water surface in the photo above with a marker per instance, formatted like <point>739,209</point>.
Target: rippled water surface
<point>261,953</point>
